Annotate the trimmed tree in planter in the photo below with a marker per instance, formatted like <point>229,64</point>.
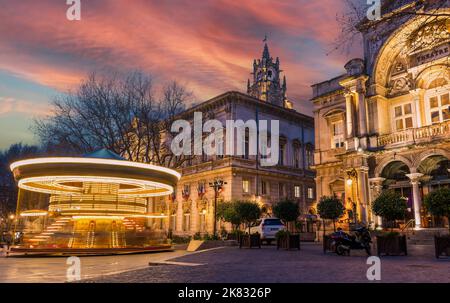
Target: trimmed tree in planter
<point>438,204</point>
<point>288,212</point>
<point>249,213</point>
<point>226,211</point>
<point>331,208</point>
<point>390,206</point>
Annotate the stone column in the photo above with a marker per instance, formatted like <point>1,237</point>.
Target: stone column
<point>195,227</point>
<point>363,193</point>
<point>416,197</point>
<point>376,186</point>
<point>349,114</point>
<point>417,95</point>
<point>179,222</point>
<point>362,115</point>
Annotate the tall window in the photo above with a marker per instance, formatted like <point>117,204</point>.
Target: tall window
<point>440,108</point>
<point>281,190</point>
<point>338,134</point>
<point>297,191</point>
<point>246,146</point>
<point>263,188</point>
<point>297,155</point>
<point>245,186</point>
<point>310,193</point>
<point>403,117</point>
<point>309,157</point>
<point>282,153</point>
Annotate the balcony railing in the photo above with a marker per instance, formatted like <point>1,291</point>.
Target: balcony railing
<point>416,135</point>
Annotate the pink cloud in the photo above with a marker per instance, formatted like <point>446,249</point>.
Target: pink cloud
<point>209,45</point>
<point>10,105</point>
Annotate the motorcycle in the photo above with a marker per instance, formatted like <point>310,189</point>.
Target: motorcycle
<point>344,242</point>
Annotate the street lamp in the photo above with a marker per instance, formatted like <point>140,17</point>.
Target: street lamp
<point>216,185</point>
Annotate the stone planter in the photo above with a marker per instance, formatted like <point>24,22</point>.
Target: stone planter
<point>392,245</point>
<point>250,241</point>
<point>308,237</point>
<point>327,244</point>
<point>290,241</point>
<point>442,246</point>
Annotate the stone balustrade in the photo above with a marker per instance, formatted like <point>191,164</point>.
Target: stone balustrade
<point>415,135</point>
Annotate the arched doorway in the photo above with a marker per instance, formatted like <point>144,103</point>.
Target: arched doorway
<point>395,175</point>
<point>435,170</point>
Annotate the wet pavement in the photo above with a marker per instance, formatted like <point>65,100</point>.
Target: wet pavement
<point>231,264</point>
<point>54,269</point>
<point>234,265</point>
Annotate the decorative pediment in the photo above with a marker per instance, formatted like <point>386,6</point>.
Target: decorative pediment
<point>429,36</point>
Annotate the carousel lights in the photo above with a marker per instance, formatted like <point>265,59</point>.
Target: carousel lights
<point>155,216</point>
<point>98,217</point>
<point>34,213</point>
<point>95,161</point>
<point>24,184</point>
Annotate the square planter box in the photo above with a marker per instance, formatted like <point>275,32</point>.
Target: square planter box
<point>250,241</point>
<point>327,244</point>
<point>289,242</point>
<point>442,245</point>
<point>391,245</point>
<point>307,237</point>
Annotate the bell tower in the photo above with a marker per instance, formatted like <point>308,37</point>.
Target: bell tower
<point>266,85</point>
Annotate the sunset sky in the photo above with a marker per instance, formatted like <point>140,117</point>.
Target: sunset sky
<point>207,45</point>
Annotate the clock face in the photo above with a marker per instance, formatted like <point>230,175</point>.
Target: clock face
<point>271,74</point>
<point>259,75</point>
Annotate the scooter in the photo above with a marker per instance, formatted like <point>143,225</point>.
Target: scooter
<point>343,242</point>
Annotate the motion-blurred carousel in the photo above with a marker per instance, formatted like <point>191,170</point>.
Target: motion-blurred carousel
<point>96,204</point>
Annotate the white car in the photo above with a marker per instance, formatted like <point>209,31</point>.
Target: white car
<point>267,228</point>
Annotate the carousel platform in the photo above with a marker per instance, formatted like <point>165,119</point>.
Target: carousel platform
<point>17,251</point>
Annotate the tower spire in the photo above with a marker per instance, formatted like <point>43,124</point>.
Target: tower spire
<point>266,54</point>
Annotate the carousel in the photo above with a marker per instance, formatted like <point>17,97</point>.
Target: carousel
<point>96,204</point>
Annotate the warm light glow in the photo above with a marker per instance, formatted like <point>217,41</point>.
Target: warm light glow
<point>12,217</point>
<point>143,184</point>
<point>34,213</point>
<point>149,216</point>
<point>94,161</point>
<point>349,182</point>
<point>98,217</point>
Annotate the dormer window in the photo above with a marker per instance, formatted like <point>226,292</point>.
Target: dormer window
<point>338,139</point>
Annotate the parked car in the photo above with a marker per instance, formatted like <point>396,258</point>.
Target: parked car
<point>267,228</point>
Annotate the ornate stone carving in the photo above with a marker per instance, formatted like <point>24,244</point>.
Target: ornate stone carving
<point>429,36</point>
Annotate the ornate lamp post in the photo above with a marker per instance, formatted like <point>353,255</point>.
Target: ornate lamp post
<point>216,185</point>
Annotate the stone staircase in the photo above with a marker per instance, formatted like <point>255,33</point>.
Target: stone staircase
<point>424,236</point>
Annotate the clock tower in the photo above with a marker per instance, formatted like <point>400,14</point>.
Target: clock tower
<point>266,85</point>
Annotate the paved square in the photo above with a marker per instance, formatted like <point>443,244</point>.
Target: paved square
<point>231,264</point>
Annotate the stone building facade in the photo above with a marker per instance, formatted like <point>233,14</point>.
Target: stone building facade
<point>385,123</point>
<point>191,208</point>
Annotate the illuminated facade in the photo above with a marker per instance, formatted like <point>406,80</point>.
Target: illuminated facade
<point>192,208</point>
<point>385,123</point>
<point>93,204</point>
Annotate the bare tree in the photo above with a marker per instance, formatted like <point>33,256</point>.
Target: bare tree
<point>118,113</point>
<point>354,20</point>
<point>8,188</point>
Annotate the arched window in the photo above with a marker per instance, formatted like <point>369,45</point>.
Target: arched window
<point>437,101</point>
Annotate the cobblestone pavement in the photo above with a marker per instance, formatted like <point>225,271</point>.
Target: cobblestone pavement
<point>231,264</point>
<point>54,269</point>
